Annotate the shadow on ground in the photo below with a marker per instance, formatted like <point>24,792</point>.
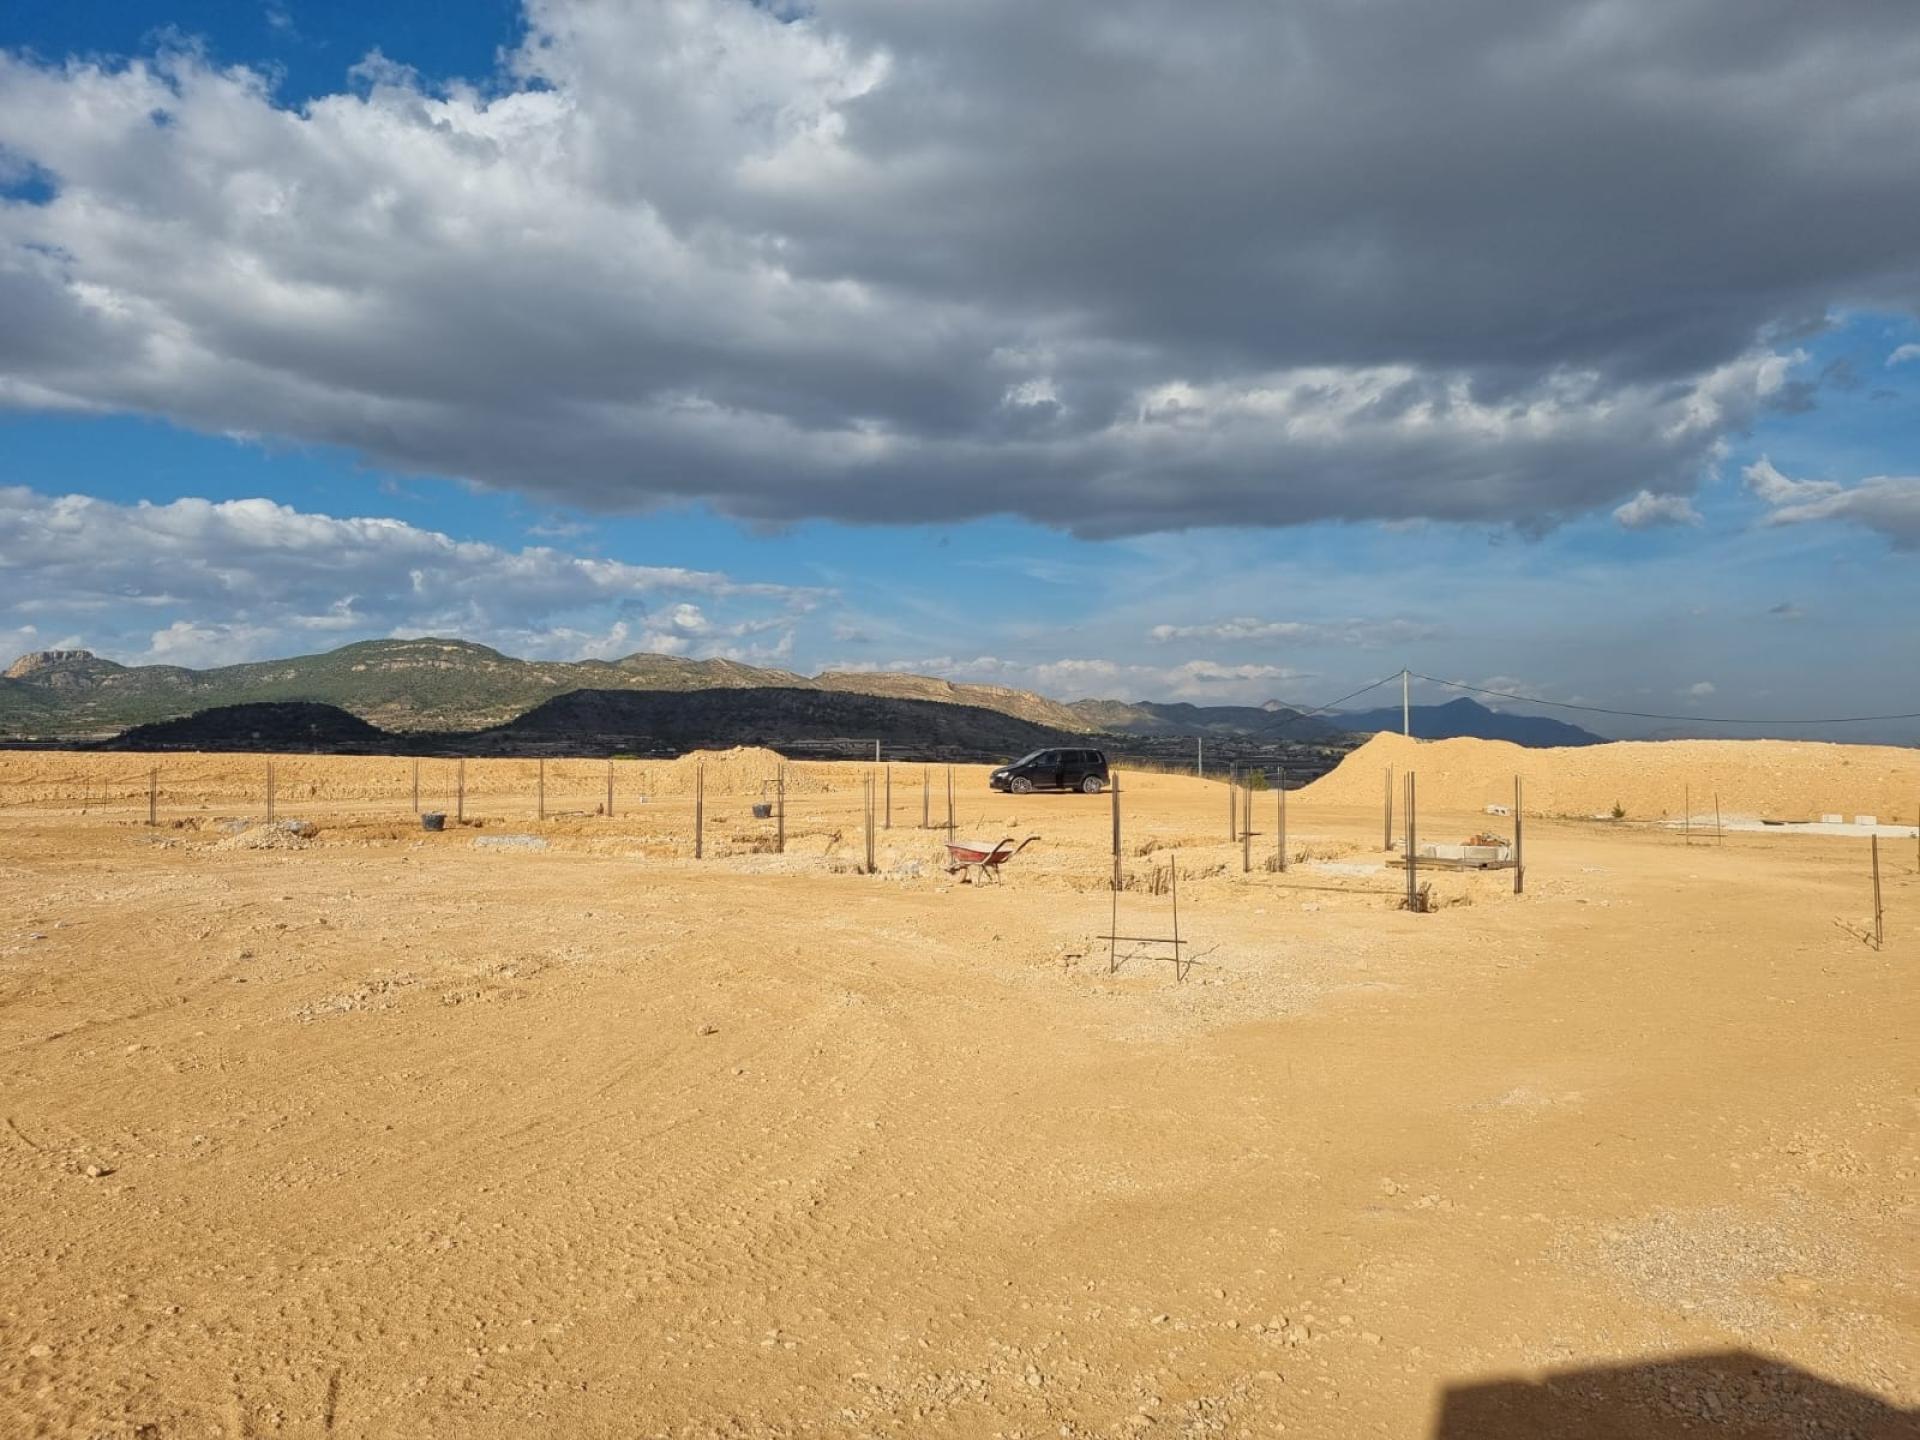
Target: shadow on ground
<point>1730,1395</point>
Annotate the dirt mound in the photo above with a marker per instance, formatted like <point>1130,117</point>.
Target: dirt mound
<point>1649,779</point>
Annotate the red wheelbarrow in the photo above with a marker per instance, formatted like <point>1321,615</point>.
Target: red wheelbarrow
<point>968,858</point>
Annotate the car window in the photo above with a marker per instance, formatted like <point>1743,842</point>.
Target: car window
<point>1032,758</point>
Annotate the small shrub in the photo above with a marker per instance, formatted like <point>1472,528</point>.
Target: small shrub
<point>1619,811</point>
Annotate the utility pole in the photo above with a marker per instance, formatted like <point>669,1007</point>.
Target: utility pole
<point>1406,710</point>
<point>1199,758</point>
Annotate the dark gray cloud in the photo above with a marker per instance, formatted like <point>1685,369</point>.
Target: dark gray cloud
<point>1118,266</point>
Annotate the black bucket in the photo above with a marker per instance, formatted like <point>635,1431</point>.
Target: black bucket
<point>433,820</point>
<point>763,812</point>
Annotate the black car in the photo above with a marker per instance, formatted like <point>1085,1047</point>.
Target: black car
<point>1083,770</point>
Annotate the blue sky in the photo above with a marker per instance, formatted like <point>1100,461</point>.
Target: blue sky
<point>592,399</point>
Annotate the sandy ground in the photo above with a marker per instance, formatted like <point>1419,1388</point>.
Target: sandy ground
<point>374,1133</point>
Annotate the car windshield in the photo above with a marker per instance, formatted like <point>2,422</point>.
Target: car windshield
<point>1029,759</point>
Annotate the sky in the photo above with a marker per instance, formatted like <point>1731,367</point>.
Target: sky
<point>1213,352</point>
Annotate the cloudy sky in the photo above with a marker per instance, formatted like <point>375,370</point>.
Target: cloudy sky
<point>1211,351</point>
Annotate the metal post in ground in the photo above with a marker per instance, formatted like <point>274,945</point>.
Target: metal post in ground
<point>889,820</point>
<point>700,810</point>
<point>1879,932</point>
<point>869,798</point>
<point>949,802</point>
<point>153,797</point>
<point>1173,877</point>
<point>609,810</point>
<point>460,791</point>
<point>540,791</point>
<point>1233,803</point>
<point>780,812</point>
<point>1280,841</point>
<point>1413,883</point>
<point>1519,841</point>
<point>1116,831</point>
<point>1386,828</point>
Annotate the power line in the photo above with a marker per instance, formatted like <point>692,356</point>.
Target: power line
<point>1323,709</point>
<point>1651,715</point>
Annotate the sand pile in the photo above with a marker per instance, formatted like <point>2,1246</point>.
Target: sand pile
<point>1771,779</point>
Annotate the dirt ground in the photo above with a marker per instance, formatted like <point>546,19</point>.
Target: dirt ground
<point>370,1132</point>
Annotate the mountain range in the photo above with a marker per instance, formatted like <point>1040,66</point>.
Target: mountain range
<point>444,686</point>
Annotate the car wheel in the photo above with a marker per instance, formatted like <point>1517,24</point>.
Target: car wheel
<point>1020,785</point>
<point>1091,785</point>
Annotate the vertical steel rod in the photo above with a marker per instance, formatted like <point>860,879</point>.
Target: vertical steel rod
<point>1173,868</point>
<point>1413,865</point>
<point>1879,933</point>
<point>1519,841</point>
<point>1246,833</point>
<point>1280,844</point>
<point>780,812</point>
<point>700,810</point>
<point>1116,832</point>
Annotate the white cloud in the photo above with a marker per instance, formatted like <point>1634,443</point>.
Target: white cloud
<point>1902,354</point>
<point>1367,634</point>
<point>1889,504</point>
<point>1699,690</point>
<point>1648,511</point>
<point>301,580</point>
<point>849,262</point>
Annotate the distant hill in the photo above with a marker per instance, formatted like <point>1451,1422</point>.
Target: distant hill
<point>1469,719</point>
<point>433,686</point>
<point>796,721</point>
<point>1272,721</point>
<point>425,684</point>
<point>1021,703</point>
<point>786,718</point>
<point>283,727</point>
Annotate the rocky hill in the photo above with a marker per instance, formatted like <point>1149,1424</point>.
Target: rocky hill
<point>795,721</point>
<point>277,727</point>
<point>427,684</point>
